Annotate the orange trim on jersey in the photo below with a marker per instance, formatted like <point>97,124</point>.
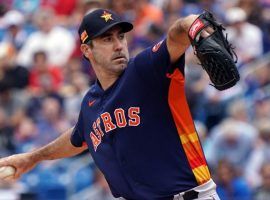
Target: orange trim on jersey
<point>185,127</point>
<point>192,147</point>
<point>202,174</point>
<point>192,151</point>
<point>193,137</point>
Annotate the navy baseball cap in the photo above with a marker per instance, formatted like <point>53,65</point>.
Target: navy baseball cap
<point>98,22</point>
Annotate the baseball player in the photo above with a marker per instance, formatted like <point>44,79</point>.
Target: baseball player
<point>135,119</point>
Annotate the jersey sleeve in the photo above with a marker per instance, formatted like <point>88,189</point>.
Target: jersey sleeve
<point>77,138</point>
<point>154,62</point>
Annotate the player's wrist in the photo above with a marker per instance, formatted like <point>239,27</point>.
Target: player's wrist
<point>35,156</point>
<point>188,21</point>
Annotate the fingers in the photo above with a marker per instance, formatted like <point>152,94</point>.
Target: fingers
<point>17,174</point>
<point>10,179</point>
<point>20,162</point>
<point>7,181</point>
<point>3,162</point>
<point>7,161</point>
<point>207,31</point>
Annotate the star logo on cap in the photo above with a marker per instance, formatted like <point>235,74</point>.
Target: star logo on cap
<point>106,16</point>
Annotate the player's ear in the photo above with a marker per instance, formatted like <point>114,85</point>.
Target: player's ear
<point>86,50</point>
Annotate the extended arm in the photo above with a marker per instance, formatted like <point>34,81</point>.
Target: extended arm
<point>59,148</point>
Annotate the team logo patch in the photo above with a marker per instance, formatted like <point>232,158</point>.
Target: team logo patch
<point>106,16</point>
<point>197,25</point>
<point>91,103</point>
<point>84,36</point>
<point>156,47</point>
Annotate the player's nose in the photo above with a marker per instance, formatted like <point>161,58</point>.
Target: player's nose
<point>118,45</point>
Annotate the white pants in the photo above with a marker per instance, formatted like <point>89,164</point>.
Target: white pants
<point>207,191</point>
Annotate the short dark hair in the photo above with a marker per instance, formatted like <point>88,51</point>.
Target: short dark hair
<point>90,43</point>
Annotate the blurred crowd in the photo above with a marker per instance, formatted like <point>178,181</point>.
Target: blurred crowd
<point>43,77</point>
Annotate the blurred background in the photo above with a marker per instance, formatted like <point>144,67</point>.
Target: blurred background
<point>43,78</point>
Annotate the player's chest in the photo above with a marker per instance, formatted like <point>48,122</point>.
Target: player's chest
<point>110,114</point>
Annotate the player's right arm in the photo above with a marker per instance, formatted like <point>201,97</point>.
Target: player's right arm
<point>59,148</point>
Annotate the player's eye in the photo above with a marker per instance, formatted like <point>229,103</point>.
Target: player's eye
<point>121,36</point>
<point>107,39</point>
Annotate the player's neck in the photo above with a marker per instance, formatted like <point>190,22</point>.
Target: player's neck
<point>106,79</point>
<point>106,83</point>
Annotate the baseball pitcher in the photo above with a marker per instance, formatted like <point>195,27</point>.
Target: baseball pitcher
<point>135,120</point>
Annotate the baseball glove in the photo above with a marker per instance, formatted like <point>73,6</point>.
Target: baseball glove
<point>214,52</point>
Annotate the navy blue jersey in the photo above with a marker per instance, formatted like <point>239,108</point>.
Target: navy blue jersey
<point>140,132</point>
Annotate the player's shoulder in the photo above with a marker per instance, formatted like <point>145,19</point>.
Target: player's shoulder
<point>154,54</point>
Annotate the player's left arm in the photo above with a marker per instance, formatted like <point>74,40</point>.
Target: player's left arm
<point>210,45</point>
<point>177,38</point>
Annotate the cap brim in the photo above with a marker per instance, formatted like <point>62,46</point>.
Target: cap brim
<point>126,27</point>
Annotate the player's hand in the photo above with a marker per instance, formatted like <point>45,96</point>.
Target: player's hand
<point>214,52</point>
<point>21,162</point>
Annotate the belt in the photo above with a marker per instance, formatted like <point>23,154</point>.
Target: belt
<point>190,195</point>
<point>204,189</point>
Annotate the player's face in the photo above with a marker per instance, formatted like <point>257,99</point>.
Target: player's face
<point>110,51</point>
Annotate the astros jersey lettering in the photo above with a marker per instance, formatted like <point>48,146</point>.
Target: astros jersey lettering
<point>141,121</point>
